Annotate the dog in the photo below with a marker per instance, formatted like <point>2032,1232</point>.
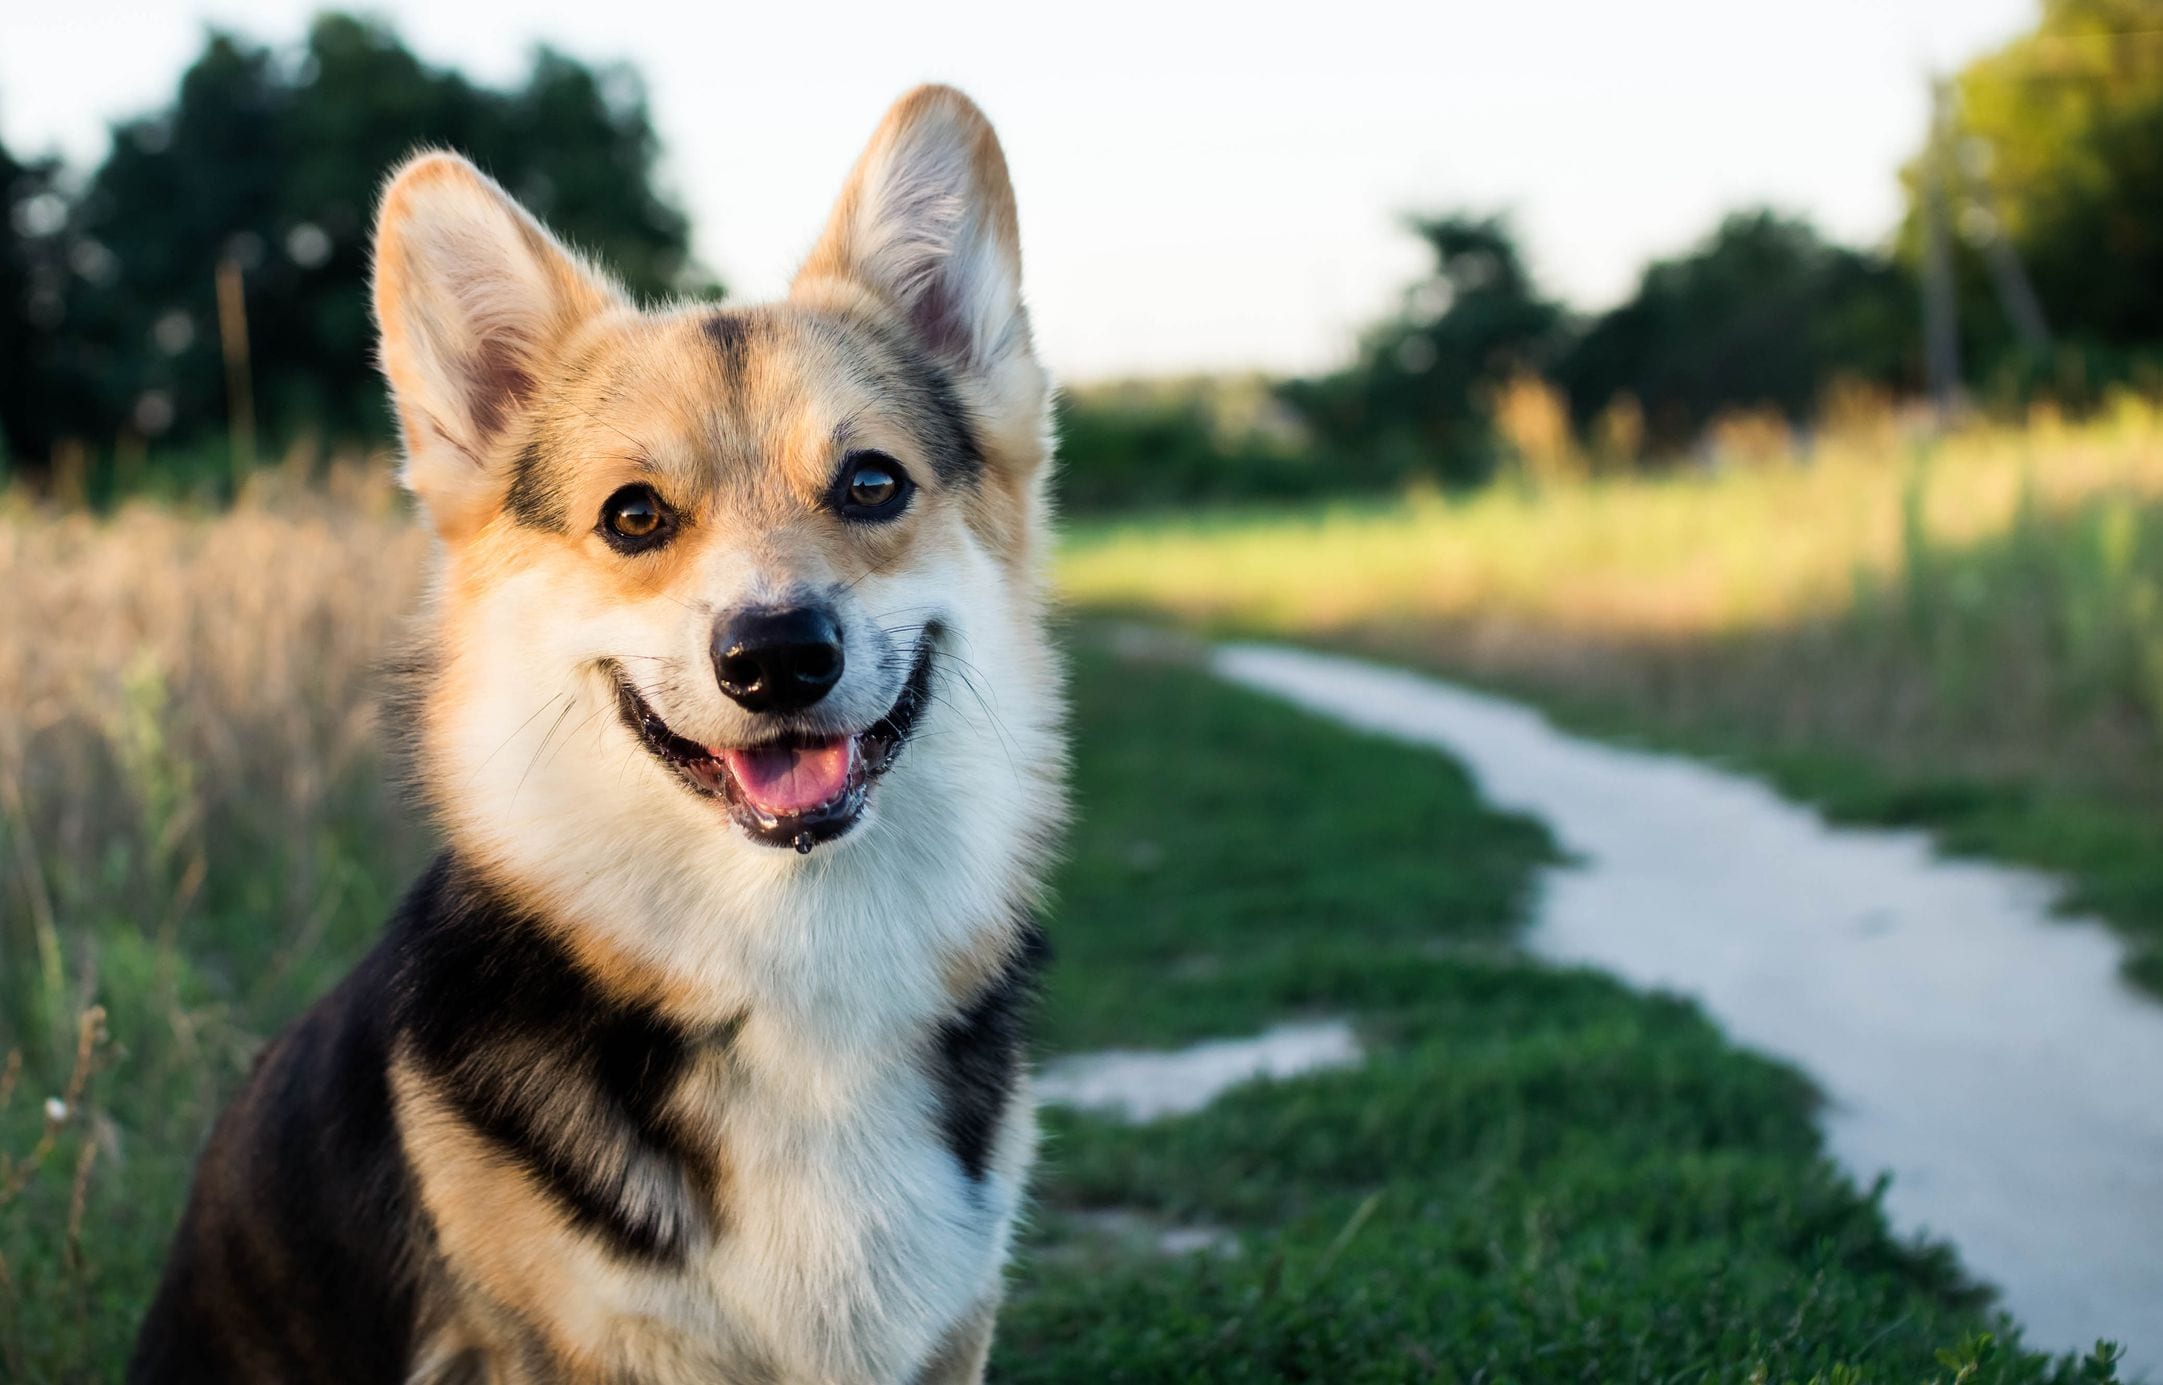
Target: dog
<point>698,1054</point>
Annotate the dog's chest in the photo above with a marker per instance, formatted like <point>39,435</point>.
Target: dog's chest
<point>849,1238</point>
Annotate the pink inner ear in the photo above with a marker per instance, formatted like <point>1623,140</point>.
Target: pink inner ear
<point>495,382</point>
<point>937,316</point>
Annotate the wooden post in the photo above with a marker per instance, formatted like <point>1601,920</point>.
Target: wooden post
<point>2016,292</point>
<point>239,388</point>
<point>1941,311</point>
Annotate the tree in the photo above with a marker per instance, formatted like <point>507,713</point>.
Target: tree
<point>270,162</point>
<point>2058,147</point>
<point>33,284</point>
<point>1415,400</point>
<point>1765,313</point>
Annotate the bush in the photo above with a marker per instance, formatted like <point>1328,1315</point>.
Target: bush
<point>1158,444</point>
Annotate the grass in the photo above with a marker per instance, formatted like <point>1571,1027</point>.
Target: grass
<point>1965,635</point>
<point>1538,1174</point>
<point>195,840</point>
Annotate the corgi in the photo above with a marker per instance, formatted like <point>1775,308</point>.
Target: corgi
<point>698,1054</point>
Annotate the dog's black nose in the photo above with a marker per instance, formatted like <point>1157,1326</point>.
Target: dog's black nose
<point>778,661</point>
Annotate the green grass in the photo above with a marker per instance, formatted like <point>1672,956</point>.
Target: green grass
<point>1538,1174</point>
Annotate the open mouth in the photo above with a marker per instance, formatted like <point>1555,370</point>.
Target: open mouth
<point>792,790</point>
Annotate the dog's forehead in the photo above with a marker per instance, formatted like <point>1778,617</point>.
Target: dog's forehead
<point>739,405</point>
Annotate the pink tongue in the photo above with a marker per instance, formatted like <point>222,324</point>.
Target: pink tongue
<point>785,782</point>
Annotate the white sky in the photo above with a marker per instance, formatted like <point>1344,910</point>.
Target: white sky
<point>1201,187</point>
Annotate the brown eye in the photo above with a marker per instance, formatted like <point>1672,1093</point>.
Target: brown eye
<point>636,518</point>
<point>873,487</point>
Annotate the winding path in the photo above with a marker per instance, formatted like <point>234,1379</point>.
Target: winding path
<point>1984,1052</point>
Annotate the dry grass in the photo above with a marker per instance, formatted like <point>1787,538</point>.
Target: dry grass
<point>186,687</point>
<point>1996,598</point>
<point>193,831</point>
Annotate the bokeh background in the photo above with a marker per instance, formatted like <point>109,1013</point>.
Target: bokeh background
<point>1773,385</point>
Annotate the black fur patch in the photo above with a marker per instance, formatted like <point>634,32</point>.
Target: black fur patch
<point>497,1012</point>
<point>919,387</point>
<point>730,332</point>
<point>293,1260</point>
<point>534,498</point>
<point>979,1053</point>
<point>304,1250</point>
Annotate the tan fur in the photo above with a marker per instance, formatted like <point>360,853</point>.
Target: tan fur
<point>524,1277</point>
<point>962,1356</point>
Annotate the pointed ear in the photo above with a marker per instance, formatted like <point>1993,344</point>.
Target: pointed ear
<point>926,223</point>
<point>471,297</point>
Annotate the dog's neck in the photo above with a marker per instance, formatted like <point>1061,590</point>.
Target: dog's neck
<point>852,947</point>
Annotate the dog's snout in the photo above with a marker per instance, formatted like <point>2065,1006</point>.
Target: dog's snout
<point>778,661</point>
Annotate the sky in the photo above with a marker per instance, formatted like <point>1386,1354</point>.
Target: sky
<point>1202,188</point>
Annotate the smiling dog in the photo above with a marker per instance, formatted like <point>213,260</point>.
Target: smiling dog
<point>697,1055</point>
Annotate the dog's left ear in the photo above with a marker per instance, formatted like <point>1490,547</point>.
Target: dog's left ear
<point>926,224</point>
<point>472,297</point>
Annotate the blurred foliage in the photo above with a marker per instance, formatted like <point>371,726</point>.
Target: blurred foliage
<point>271,160</point>
<point>1762,320</point>
<point>1412,405</point>
<point>1158,443</point>
<point>268,160</point>
<point>1765,314</point>
<point>32,216</point>
<point>2057,149</point>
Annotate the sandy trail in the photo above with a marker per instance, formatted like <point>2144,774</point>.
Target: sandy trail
<point>1984,1052</point>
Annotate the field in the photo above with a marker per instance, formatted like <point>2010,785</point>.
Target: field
<point>1536,1174</point>
<point>1965,634</point>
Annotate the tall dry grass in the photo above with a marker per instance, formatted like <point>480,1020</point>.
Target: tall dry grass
<point>194,835</point>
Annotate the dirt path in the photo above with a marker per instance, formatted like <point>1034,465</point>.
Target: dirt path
<point>1984,1052</point>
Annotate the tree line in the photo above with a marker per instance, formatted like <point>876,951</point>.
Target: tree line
<point>2044,177</point>
<point>262,173</point>
<point>2042,183</point>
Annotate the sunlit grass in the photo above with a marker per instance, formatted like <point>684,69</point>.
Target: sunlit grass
<point>1965,634</point>
<point>1689,553</point>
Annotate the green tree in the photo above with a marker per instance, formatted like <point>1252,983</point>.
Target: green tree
<point>271,161</point>
<point>33,306</point>
<point>2057,146</point>
<point>1764,313</point>
<point>1414,402</point>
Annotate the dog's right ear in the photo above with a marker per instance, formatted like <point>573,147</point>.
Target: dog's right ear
<point>471,297</point>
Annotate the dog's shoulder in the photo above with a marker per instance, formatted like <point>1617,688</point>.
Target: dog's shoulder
<point>570,1081</point>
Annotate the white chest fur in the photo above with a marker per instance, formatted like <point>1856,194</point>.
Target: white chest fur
<point>849,1243</point>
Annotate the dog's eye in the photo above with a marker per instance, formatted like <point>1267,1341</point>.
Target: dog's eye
<point>636,518</point>
<point>873,487</point>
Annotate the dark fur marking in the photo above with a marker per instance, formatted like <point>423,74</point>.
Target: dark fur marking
<point>927,397</point>
<point>290,1263</point>
<point>533,498</point>
<point>511,1027</point>
<point>980,1050</point>
<point>303,1247</point>
<point>920,389</point>
<point>495,382</point>
<point>959,459</point>
<point>730,332</point>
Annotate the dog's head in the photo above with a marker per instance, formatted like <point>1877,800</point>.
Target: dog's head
<point>744,590</point>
